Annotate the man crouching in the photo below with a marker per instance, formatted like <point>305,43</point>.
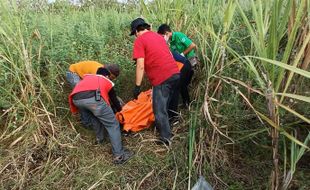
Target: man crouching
<point>91,95</point>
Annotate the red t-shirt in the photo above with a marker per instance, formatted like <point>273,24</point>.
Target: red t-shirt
<point>92,82</point>
<point>159,64</point>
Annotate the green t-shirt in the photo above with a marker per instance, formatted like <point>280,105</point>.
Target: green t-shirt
<point>180,42</point>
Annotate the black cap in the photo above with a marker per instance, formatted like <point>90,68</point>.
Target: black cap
<point>113,68</point>
<point>108,69</point>
<point>135,23</point>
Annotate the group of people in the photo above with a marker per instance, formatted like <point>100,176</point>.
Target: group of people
<point>169,71</point>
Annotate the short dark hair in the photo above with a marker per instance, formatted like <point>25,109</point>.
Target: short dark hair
<point>103,71</point>
<point>162,29</point>
<point>113,69</point>
<point>143,27</point>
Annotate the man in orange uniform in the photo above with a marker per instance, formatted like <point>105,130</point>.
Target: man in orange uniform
<point>78,70</point>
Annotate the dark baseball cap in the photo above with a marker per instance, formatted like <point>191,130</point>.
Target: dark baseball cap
<point>113,68</point>
<point>135,23</point>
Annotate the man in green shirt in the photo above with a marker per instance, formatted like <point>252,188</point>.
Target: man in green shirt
<point>180,43</point>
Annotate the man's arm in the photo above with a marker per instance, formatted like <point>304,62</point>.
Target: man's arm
<point>139,77</point>
<point>139,71</point>
<point>190,47</point>
<point>114,100</point>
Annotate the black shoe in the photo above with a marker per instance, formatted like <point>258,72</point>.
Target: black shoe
<point>174,120</point>
<point>99,142</point>
<point>126,134</point>
<point>165,142</point>
<point>123,158</point>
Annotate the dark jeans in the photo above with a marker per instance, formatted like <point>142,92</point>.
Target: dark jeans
<point>185,79</point>
<point>186,75</point>
<point>73,79</point>
<point>101,116</point>
<point>162,96</point>
<point>181,88</point>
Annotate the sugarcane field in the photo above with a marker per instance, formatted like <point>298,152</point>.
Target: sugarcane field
<point>155,94</point>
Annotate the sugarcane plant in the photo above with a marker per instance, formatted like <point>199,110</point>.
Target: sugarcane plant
<point>21,100</point>
<point>280,35</point>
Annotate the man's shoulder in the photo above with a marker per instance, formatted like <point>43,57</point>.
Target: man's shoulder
<point>149,35</point>
<point>182,38</point>
<point>89,76</point>
<point>142,37</point>
<point>179,37</point>
<point>179,34</point>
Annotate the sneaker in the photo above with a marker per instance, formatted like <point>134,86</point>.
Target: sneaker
<point>123,158</point>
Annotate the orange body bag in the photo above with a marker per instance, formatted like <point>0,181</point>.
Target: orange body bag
<point>137,114</point>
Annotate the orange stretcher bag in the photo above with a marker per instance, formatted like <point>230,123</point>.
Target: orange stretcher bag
<point>137,114</point>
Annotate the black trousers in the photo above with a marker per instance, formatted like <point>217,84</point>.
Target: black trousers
<point>186,75</point>
<point>185,79</point>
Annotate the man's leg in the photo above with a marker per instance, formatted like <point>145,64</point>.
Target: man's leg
<point>185,78</point>
<point>72,78</point>
<point>173,102</point>
<point>173,84</point>
<point>107,118</point>
<point>86,118</point>
<point>161,95</point>
<point>185,95</point>
<point>160,100</point>
<point>93,122</point>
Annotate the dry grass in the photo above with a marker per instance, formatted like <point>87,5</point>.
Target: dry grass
<point>73,162</point>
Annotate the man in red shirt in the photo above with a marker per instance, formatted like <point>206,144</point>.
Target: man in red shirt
<point>152,56</point>
<point>93,95</point>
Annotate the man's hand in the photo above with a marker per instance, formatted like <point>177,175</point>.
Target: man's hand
<point>139,76</point>
<point>136,91</point>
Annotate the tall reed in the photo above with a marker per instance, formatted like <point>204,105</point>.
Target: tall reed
<point>271,56</point>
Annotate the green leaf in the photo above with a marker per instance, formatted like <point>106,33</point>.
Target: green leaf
<point>285,66</point>
<point>270,122</point>
<point>294,112</point>
<point>295,96</point>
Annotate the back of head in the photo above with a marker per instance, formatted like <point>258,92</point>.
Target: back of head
<point>113,69</point>
<point>103,71</point>
<point>162,29</point>
<point>143,27</point>
<point>139,25</point>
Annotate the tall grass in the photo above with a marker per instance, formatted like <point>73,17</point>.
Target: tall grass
<point>22,103</point>
<point>271,27</point>
<point>36,48</point>
<point>265,38</point>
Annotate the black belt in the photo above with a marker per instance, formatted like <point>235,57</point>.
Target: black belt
<point>84,95</point>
